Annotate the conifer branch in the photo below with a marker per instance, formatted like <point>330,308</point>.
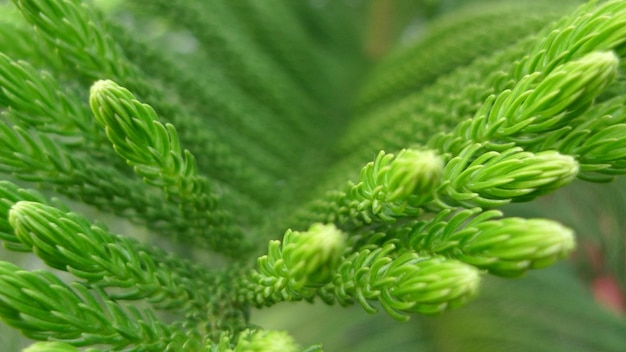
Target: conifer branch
<point>154,151</point>
<point>71,27</point>
<point>417,181</point>
<point>16,42</point>
<point>220,103</point>
<point>276,29</point>
<point>535,105</point>
<point>503,246</point>
<point>245,63</point>
<point>66,241</point>
<point>510,246</point>
<point>9,195</point>
<point>152,148</point>
<point>588,29</point>
<point>35,100</point>
<point>283,119</point>
<point>43,307</point>
<point>38,100</point>
<point>391,186</point>
<point>494,179</point>
<point>595,139</point>
<point>36,157</point>
<point>403,283</point>
<point>294,269</point>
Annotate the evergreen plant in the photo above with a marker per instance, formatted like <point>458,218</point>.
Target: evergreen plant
<point>338,152</point>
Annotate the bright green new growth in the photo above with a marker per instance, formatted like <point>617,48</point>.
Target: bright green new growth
<point>412,172</point>
<point>260,341</point>
<point>154,151</point>
<point>303,262</point>
<point>494,179</point>
<point>537,104</point>
<point>511,246</point>
<point>410,178</point>
<point>505,247</point>
<point>44,307</point>
<point>391,186</point>
<point>68,242</point>
<point>313,256</point>
<point>406,283</point>
<point>225,137</point>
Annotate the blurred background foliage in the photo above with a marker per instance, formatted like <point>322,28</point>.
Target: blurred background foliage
<point>577,305</point>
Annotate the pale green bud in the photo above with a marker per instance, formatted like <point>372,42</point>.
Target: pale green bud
<point>151,147</point>
<point>494,179</point>
<point>570,86</point>
<point>540,104</point>
<point>104,98</point>
<point>398,185</point>
<point>408,283</point>
<point>306,261</point>
<point>431,286</point>
<point>312,257</point>
<point>535,175</point>
<point>510,246</point>
<point>414,172</point>
<point>266,341</point>
<point>132,127</point>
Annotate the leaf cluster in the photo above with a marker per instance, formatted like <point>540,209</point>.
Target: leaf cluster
<point>383,177</point>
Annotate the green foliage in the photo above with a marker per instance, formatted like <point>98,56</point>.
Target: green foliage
<point>504,247</point>
<point>307,260</point>
<point>214,126</point>
<point>494,179</point>
<point>43,307</point>
<point>404,283</point>
<point>154,151</point>
<point>532,108</point>
<point>390,187</point>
